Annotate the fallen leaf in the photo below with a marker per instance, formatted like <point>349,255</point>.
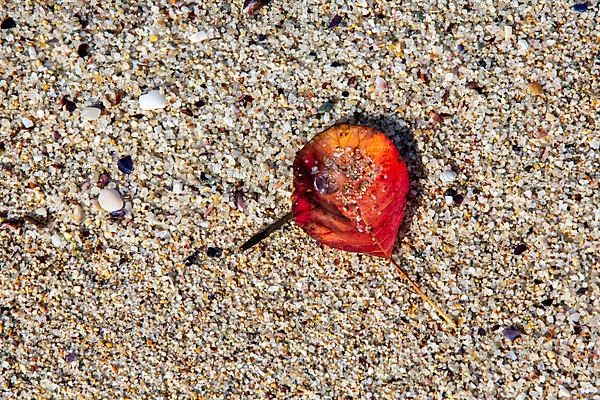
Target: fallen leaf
<point>350,187</point>
<point>349,191</point>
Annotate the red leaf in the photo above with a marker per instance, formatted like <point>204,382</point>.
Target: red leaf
<point>350,187</point>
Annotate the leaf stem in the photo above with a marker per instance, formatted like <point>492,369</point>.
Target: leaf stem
<point>258,237</point>
<point>416,287</point>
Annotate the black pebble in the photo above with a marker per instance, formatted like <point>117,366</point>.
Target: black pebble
<point>8,23</point>
<point>191,259</point>
<point>547,302</point>
<point>117,214</point>
<point>125,165</point>
<point>70,106</point>
<point>450,192</point>
<point>83,50</point>
<point>481,331</point>
<point>512,333</point>
<point>520,249</point>
<point>458,199</point>
<point>214,252</point>
<point>581,7</point>
<point>335,21</point>
<point>200,103</point>
<point>581,290</point>
<point>336,64</point>
<point>262,37</point>
<point>345,93</point>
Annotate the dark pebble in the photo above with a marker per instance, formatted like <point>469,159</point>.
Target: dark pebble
<point>547,302</point>
<point>71,357</point>
<point>326,107</point>
<point>82,20</point>
<point>581,290</point>
<point>83,50</point>
<point>8,23</point>
<point>125,165</point>
<point>103,180</point>
<point>460,48</point>
<point>117,214</point>
<point>520,249</point>
<point>214,252</point>
<point>345,93</point>
<point>262,37</point>
<point>192,258</point>
<point>251,6</point>
<point>335,21</point>
<point>69,105</point>
<point>511,333</point>
<point>458,199</point>
<point>246,98</point>
<point>481,331</point>
<point>240,200</point>
<point>475,86</point>
<point>581,7</point>
<point>450,192</point>
<point>336,64</point>
<point>200,103</point>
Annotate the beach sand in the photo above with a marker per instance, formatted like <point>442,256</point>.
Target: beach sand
<point>161,304</point>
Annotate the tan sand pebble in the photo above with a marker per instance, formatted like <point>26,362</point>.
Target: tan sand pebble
<point>535,89</point>
<point>78,214</point>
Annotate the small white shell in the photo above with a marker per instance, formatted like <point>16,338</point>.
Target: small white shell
<point>153,100</point>
<point>110,200</point>
<point>380,85</point>
<point>448,176</point>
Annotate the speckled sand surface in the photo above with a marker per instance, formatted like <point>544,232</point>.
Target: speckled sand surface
<point>503,93</point>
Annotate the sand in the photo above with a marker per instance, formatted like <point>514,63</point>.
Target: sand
<point>157,302</point>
